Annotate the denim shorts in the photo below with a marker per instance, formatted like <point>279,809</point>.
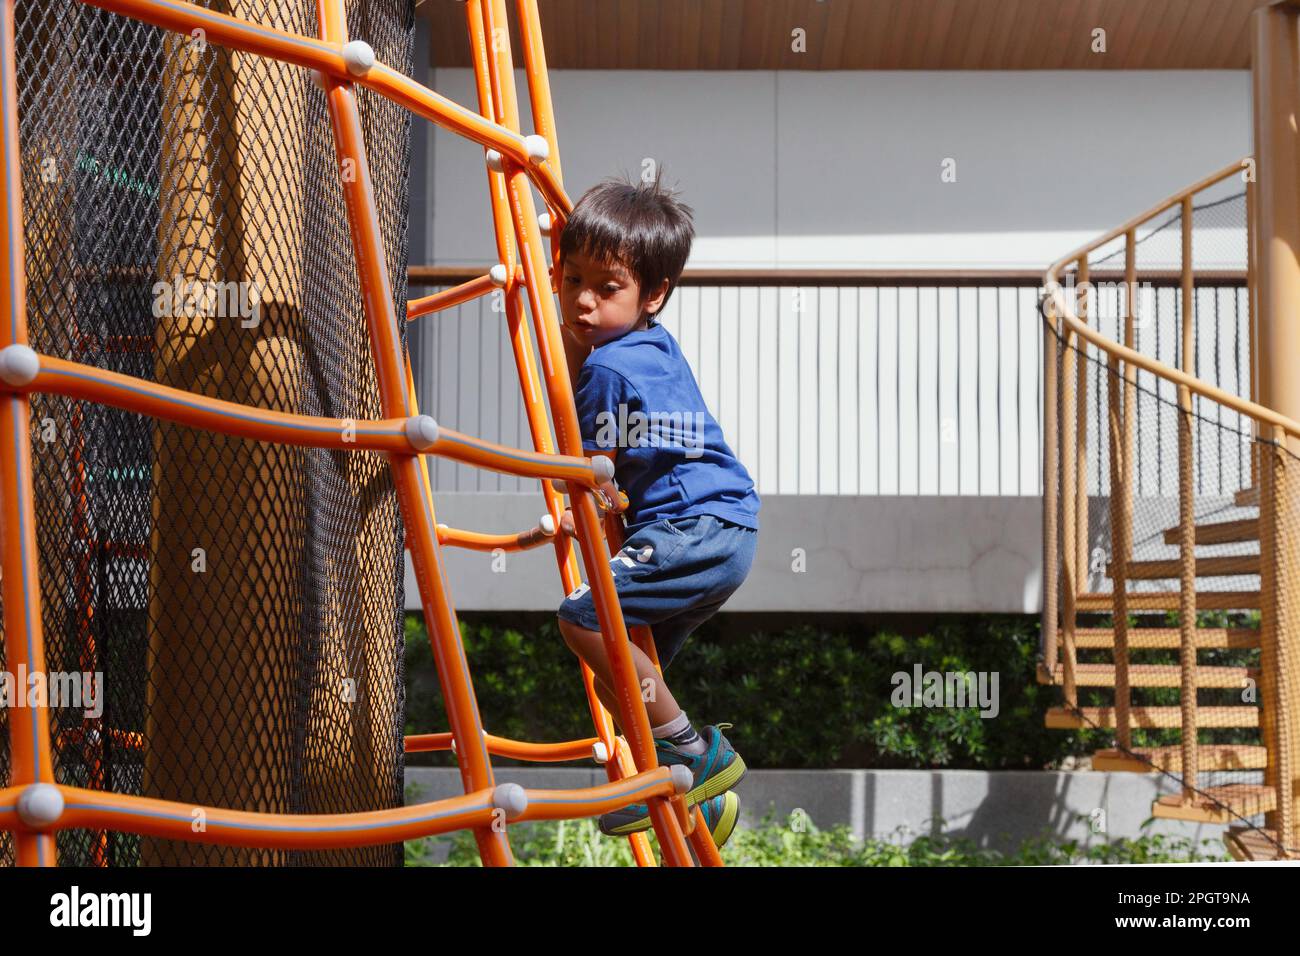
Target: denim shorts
<point>673,575</point>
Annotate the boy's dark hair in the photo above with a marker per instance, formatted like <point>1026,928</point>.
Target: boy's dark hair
<point>642,225</point>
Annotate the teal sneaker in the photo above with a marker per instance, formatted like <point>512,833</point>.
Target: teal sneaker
<point>720,816</point>
<point>715,771</point>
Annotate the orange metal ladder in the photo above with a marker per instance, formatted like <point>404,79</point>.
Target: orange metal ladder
<point>34,806</point>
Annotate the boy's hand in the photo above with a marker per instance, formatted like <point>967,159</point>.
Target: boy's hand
<point>613,499</point>
<point>620,504</point>
<point>608,497</point>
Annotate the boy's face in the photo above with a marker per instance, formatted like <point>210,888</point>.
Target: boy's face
<point>600,301</point>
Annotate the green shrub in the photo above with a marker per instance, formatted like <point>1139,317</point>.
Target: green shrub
<point>799,697</point>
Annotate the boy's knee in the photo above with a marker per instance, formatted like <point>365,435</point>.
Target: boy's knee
<point>573,635</point>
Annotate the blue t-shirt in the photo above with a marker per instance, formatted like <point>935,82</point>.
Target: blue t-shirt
<point>637,394</point>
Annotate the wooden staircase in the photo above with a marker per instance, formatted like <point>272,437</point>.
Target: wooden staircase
<point>1216,804</point>
<point>1107,596</point>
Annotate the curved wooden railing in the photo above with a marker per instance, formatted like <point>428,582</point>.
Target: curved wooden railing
<point>1065,504</point>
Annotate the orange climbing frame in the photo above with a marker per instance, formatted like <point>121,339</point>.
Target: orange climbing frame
<point>34,806</point>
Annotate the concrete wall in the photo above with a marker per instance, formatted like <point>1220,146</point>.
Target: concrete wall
<point>861,553</point>
<point>996,810</point>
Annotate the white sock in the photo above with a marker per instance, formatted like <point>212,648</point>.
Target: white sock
<point>680,734</point>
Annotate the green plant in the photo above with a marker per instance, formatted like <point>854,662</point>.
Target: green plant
<point>527,685</point>
<point>774,842</point>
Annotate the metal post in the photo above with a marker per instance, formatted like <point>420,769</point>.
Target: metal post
<point>1276,73</point>
<point>1123,412</point>
<point>1187,518</point>
<point>1048,636</point>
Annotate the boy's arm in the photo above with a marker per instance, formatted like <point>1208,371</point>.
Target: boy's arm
<point>615,499</point>
<point>597,390</point>
<point>608,488</point>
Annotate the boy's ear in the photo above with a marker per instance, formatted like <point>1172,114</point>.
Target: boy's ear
<point>653,303</point>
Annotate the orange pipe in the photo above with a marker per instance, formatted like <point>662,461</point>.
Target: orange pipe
<point>529,464</point>
<point>61,377</point>
<point>29,730</point>
<point>505,747</point>
<point>632,716</point>
<point>479,541</point>
<point>706,851</point>
<point>492,106</point>
<point>412,491</point>
<point>88,809</point>
<point>668,809</point>
<point>561,804</point>
<point>132,740</point>
<point>447,298</point>
<point>539,85</point>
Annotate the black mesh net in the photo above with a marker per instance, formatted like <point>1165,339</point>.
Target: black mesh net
<point>185,224</point>
<point>1231,696</point>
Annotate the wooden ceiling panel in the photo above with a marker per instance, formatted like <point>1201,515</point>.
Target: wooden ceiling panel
<point>871,34</point>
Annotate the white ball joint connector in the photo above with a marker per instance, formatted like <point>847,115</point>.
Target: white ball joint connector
<point>421,432</point>
<point>536,148</point>
<point>603,468</point>
<point>547,524</point>
<point>498,275</point>
<point>683,779</point>
<point>511,798</point>
<point>19,365</point>
<point>40,805</point>
<point>358,57</point>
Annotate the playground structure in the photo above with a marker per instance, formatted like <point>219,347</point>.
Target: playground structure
<point>216,524</point>
<point>272,157</point>
<point>1228,531</point>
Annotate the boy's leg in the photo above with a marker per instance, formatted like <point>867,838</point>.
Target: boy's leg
<point>667,720</point>
<point>661,707</point>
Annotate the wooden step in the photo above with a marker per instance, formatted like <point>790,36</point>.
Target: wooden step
<point>1232,565</point>
<point>1220,532</point>
<point>1225,804</point>
<point>1062,718</point>
<point>1169,601</point>
<point>1247,497</point>
<point>1156,637</point>
<point>1253,845</point>
<point>1170,759</point>
<point>1155,675</point>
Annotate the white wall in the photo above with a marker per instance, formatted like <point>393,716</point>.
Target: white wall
<point>842,169</point>
<point>911,391</point>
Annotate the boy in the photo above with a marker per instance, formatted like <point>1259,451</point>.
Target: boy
<point>692,518</point>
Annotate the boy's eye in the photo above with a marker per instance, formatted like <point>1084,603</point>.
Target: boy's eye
<point>611,287</point>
